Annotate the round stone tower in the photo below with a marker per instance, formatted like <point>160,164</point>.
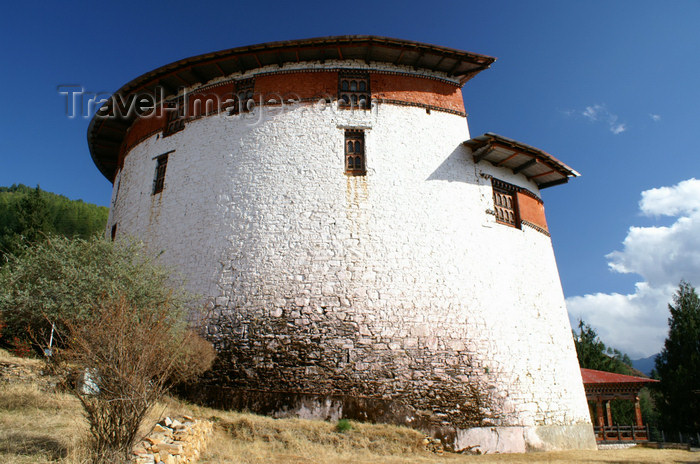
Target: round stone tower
<point>361,254</point>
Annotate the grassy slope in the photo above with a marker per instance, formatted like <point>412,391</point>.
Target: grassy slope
<point>38,427</point>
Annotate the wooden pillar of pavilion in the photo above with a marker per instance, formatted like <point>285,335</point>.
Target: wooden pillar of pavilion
<point>637,412</point>
<point>599,412</point>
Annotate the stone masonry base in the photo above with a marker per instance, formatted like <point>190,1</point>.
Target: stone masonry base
<point>525,439</point>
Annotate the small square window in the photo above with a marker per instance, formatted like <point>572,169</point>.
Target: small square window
<point>505,203</point>
<point>353,90</point>
<point>159,180</point>
<point>355,152</point>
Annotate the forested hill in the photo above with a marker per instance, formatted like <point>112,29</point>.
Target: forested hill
<point>29,212</point>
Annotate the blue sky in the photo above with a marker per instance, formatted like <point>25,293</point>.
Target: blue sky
<point>609,87</point>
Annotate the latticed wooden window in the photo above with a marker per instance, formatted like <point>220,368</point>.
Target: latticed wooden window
<point>175,117</point>
<point>505,203</point>
<point>159,180</point>
<point>353,90</point>
<point>355,152</point>
<point>243,94</point>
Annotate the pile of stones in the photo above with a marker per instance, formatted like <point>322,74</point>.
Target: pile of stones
<point>30,371</point>
<point>434,445</point>
<point>174,441</point>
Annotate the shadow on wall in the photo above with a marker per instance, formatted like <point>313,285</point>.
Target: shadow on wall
<point>457,167</point>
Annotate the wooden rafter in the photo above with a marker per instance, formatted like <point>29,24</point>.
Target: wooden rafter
<point>481,153</point>
<point>542,174</point>
<point>504,161</point>
<point>525,165</point>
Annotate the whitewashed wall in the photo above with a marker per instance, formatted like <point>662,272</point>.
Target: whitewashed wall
<point>262,219</point>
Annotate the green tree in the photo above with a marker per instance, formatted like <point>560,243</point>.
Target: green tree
<point>30,222</point>
<point>678,364</point>
<point>28,214</point>
<point>32,216</point>
<point>593,354</point>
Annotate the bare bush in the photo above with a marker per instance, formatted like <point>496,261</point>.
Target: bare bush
<point>130,355</point>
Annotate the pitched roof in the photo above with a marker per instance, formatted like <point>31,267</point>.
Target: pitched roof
<point>592,376</point>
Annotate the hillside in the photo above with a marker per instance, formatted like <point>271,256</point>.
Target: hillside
<point>645,365</point>
<point>28,212</point>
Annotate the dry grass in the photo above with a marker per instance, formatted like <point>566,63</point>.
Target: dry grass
<point>38,427</point>
<point>248,439</point>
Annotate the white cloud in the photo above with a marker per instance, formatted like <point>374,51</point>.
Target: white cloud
<point>655,117</point>
<point>600,113</point>
<point>618,128</point>
<point>662,256</point>
<point>672,201</point>
<point>592,112</point>
<point>635,324</point>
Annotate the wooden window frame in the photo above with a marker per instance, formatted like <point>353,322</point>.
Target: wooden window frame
<point>505,203</point>
<point>351,99</point>
<point>174,119</point>
<point>243,92</point>
<point>159,176</point>
<point>354,151</point>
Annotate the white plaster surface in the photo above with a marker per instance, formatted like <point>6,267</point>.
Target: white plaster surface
<point>261,219</point>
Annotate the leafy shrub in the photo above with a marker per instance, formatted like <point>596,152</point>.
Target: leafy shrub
<point>61,279</point>
<point>343,426</point>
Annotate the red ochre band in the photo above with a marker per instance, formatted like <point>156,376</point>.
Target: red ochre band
<point>304,87</point>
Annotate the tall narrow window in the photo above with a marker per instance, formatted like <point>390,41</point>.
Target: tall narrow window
<point>159,180</point>
<point>505,203</point>
<point>243,94</point>
<point>353,90</point>
<point>355,152</point>
<point>114,231</point>
<point>174,117</point>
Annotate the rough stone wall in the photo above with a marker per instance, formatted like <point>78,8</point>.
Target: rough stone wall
<point>396,287</point>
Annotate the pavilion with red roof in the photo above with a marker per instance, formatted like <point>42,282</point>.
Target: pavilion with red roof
<point>603,387</point>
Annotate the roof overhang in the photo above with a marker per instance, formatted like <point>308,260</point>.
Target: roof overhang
<point>538,166</point>
<point>105,134</point>
<point>611,385</point>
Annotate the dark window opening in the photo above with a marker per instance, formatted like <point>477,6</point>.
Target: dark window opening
<point>243,96</point>
<point>505,203</point>
<point>113,234</point>
<point>353,90</point>
<point>174,117</point>
<point>159,180</point>
<point>355,152</point>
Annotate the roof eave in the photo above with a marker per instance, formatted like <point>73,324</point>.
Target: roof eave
<point>457,64</point>
<point>537,165</point>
